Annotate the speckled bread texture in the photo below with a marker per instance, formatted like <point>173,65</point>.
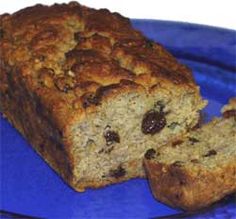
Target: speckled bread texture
<point>90,93</point>
<point>196,171</point>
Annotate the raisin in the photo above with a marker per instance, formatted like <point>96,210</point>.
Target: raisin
<point>90,99</point>
<point>95,98</point>
<point>210,153</point>
<point>111,137</point>
<point>153,122</point>
<point>193,140</point>
<point>150,154</point>
<point>229,113</point>
<point>117,173</point>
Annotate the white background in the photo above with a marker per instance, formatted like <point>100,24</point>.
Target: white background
<point>221,13</point>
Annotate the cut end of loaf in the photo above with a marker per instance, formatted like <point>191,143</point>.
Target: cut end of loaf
<point>109,144</point>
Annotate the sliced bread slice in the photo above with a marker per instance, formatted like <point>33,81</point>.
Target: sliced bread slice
<point>198,170</point>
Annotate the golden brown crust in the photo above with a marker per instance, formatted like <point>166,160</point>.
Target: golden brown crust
<point>60,62</point>
<point>187,188</point>
<point>37,35</point>
<point>61,48</point>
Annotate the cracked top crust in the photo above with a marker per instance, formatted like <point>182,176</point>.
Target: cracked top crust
<point>71,55</point>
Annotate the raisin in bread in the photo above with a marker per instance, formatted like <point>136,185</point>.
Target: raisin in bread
<point>199,169</point>
<point>90,93</point>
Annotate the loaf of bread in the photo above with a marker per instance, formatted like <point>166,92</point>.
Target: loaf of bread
<point>198,170</point>
<point>90,93</point>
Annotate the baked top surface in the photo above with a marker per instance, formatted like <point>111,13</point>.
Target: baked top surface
<point>37,197</point>
<point>68,52</point>
<point>75,39</point>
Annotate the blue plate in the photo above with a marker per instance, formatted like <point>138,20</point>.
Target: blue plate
<point>30,187</point>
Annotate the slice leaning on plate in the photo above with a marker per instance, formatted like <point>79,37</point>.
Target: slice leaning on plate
<point>199,169</point>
